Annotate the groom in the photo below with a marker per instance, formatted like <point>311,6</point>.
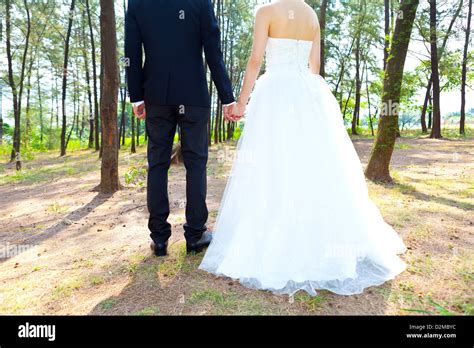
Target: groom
<point>170,90</point>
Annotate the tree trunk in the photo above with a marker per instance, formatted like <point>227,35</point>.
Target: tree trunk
<point>52,101</point>
<point>369,106</point>
<point>40,100</point>
<point>216,124</point>
<point>123,121</point>
<point>379,162</point>
<point>17,95</point>
<point>358,88</point>
<point>1,103</point>
<point>430,113</point>
<point>436,130</point>
<point>1,91</point>
<point>85,57</point>
<point>65,73</point>
<point>83,120</point>
<point>101,89</point>
<point>108,107</point>
<point>462,121</point>
<point>94,77</point>
<point>26,137</point>
<point>424,129</point>
<point>322,24</point>
<point>387,34</point>
<point>138,132</point>
<point>123,90</point>
<point>77,99</point>
<point>133,148</point>
<point>440,54</point>
<point>347,101</point>
<point>56,99</point>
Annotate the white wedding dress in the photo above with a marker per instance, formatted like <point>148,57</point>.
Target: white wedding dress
<point>296,214</point>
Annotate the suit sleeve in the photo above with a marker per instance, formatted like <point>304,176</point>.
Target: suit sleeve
<point>133,54</point>
<point>211,38</point>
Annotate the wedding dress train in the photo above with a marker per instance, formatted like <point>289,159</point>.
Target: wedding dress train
<point>296,214</point>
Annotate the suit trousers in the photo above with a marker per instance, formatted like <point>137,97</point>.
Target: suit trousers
<point>161,124</point>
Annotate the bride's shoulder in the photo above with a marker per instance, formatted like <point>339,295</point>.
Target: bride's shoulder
<point>312,13</point>
<point>264,11</point>
<point>264,8</point>
<point>309,9</point>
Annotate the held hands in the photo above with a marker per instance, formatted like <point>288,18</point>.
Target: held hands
<point>234,112</point>
<point>140,111</point>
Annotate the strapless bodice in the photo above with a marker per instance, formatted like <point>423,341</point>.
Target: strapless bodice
<point>287,54</point>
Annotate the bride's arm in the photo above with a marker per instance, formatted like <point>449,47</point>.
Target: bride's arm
<point>315,56</point>
<point>262,23</point>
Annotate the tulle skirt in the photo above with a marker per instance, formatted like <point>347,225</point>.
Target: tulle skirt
<point>296,214</point>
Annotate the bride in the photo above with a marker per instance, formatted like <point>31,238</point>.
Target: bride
<point>296,214</point>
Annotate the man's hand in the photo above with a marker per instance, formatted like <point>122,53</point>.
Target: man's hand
<point>140,111</point>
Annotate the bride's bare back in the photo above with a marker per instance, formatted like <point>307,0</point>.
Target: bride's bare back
<point>292,19</point>
<point>284,19</point>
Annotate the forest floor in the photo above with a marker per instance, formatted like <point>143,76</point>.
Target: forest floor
<point>88,253</point>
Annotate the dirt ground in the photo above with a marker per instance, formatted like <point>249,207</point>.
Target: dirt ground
<point>86,253</point>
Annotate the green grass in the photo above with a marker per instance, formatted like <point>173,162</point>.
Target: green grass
<point>148,311</point>
<point>465,306</point>
<point>42,174</point>
<point>431,308</point>
<point>402,146</point>
<point>177,262</point>
<point>420,266</point>
<point>66,287</point>
<point>221,300</point>
<point>446,132</point>
<point>57,208</point>
<point>467,275</point>
<point>225,302</point>
<point>108,304</point>
<point>96,280</point>
<point>312,302</point>
<point>406,286</point>
<point>253,307</point>
<point>65,167</point>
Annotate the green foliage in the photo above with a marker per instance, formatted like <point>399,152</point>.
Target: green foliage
<point>7,131</point>
<point>347,20</point>
<point>136,176</point>
<point>5,151</point>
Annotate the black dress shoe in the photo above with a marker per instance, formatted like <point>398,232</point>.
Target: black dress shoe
<point>159,249</point>
<point>202,243</point>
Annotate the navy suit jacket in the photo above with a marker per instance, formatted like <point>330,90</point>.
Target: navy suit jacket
<point>174,34</point>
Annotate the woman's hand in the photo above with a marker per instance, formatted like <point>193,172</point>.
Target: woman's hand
<point>239,111</point>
